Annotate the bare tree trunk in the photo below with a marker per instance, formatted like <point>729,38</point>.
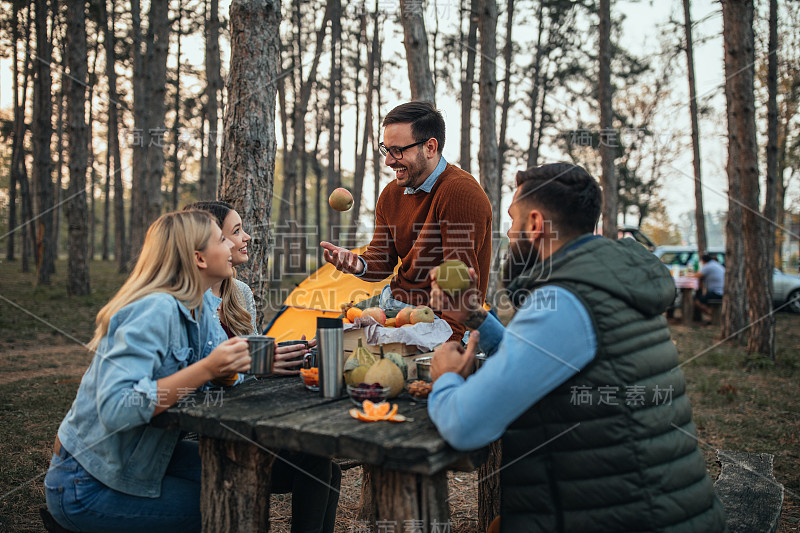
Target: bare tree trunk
<point>249,145</point>
<point>176,123</point>
<point>506,105</point>
<point>317,168</point>
<point>699,213</point>
<point>59,167</point>
<point>77,213</point>
<point>376,159</point>
<point>467,88</point>
<point>361,161</point>
<point>734,305</point>
<point>43,133</point>
<point>768,345</point>
<point>158,44</point>
<point>607,148</point>
<point>17,145</point>
<point>488,157</point>
<point>121,248</point>
<point>141,110</point>
<point>208,183</point>
<point>92,172</point>
<point>415,40</point>
<point>334,179</point>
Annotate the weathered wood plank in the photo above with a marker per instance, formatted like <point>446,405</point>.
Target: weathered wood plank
<point>235,487</point>
<point>751,495</point>
<point>410,497</point>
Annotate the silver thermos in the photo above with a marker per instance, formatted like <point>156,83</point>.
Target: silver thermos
<point>330,357</point>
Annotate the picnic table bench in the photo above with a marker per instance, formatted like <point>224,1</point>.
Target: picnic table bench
<point>240,436</point>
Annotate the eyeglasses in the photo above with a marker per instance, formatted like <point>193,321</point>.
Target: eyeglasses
<point>397,151</point>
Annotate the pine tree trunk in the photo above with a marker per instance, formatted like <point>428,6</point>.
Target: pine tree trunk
<point>208,183</point>
<point>734,304</point>
<point>19,131</point>
<point>467,88</point>
<point>506,105</point>
<point>533,144</point>
<point>608,147</point>
<point>77,212</point>
<point>699,213</point>
<point>249,144</point>
<point>415,40</point>
<point>90,165</point>
<point>377,161</point>
<point>59,169</point>
<point>158,44</point>
<point>489,487</point>
<point>770,200</point>
<point>176,123</point>
<point>139,139</point>
<point>42,135</point>
<point>488,156</point>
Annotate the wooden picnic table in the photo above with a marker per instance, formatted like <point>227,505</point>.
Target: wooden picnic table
<point>687,286</point>
<point>243,428</point>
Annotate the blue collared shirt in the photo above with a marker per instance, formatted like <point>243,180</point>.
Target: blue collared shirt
<point>550,339</point>
<point>428,184</point>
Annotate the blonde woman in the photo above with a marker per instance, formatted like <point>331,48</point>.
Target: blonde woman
<point>237,313</point>
<point>156,341</point>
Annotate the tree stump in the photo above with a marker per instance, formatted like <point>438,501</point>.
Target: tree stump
<point>235,488</point>
<point>366,504</point>
<point>489,487</point>
<point>410,497</point>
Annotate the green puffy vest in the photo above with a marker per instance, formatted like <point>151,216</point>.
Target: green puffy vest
<point>614,448</point>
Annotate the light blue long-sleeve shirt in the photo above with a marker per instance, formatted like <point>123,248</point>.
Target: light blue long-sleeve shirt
<point>549,340</point>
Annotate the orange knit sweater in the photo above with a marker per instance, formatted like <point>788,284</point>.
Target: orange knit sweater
<point>453,221</point>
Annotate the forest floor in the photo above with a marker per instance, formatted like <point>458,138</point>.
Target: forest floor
<point>740,402</point>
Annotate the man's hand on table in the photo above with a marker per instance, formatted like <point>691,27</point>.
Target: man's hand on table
<point>452,357</point>
<point>343,259</point>
<point>465,308</point>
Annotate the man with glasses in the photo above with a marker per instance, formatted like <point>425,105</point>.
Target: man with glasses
<point>432,212</point>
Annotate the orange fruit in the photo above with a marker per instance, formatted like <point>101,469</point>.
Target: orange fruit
<point>352,313</point>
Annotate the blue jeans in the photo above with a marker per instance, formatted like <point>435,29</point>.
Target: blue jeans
<point>79,502</point>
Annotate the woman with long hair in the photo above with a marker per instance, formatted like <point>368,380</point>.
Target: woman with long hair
<point>237,312</point>
<point>156,342</point>
<point>313,481</point>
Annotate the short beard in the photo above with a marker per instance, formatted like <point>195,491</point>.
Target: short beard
<point>522,255</point>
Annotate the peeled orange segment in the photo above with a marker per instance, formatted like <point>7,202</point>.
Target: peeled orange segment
<point>368,406</point>
<point>379,409</point>
<point>391,413</point>
<point>375,412</point>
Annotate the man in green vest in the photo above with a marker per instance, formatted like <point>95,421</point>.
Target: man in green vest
<point>584,385</point>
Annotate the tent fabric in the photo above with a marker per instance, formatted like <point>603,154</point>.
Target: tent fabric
<point>320,295</point>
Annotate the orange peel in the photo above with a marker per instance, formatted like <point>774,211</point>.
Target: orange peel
<point>375,412</point>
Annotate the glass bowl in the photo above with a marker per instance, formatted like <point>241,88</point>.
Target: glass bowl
<point>374,393</point>
<point>311,382</point>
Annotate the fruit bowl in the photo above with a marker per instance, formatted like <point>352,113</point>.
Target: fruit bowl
<point>310,377</point>
<point>364,391</point>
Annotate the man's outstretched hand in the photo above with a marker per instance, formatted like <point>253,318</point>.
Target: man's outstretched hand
<point>343,259</point>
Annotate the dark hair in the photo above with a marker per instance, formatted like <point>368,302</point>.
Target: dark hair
<point>706,258</point>
<point>570,196</point>
<point>220,210</point>
<point>426,121</point>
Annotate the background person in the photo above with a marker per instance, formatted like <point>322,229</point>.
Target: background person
<point>433,211</point>
<point>712,273</point>
<point>593,414</point>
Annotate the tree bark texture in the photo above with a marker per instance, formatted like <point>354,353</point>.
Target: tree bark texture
<point>488,156</point>
<point>467,88</point>
<point>335,95</point>
<point>228,466</point>
<point>506,104</point>
<point>158,48</point>
<point>405,496</point>
<point>607,148</point>
<point>140,124</point>
<point>176,123</point>
<point>770,201</point>
<point>208,183</point>
<point>415,40</point>
<point>699,213</point>
<point>734,303</point>
<point>42,135</point>
<point>249,144</point>
<point>533,145</point>
<point>489,487</point>
<point>77,212</point>
<point>740,73</point>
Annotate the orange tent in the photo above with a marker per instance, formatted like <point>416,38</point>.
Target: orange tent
<point>320,295</point>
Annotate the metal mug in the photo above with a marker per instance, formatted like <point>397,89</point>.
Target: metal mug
<point>330,357</point>
<point>262,354</point>
<point>298,361</point>
<point>310,359</point>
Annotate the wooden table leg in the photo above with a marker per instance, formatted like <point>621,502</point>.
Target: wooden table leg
<point>235,488</point>
<point>687,306</point>
<point>401,497</point>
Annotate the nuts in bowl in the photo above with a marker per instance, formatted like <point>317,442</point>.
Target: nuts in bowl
<point>419,389</point>
<point>366,391</point>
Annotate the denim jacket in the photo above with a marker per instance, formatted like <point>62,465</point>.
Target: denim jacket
<point>107,428</point>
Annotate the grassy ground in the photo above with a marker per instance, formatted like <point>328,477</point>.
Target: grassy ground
<point>740,402</point>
